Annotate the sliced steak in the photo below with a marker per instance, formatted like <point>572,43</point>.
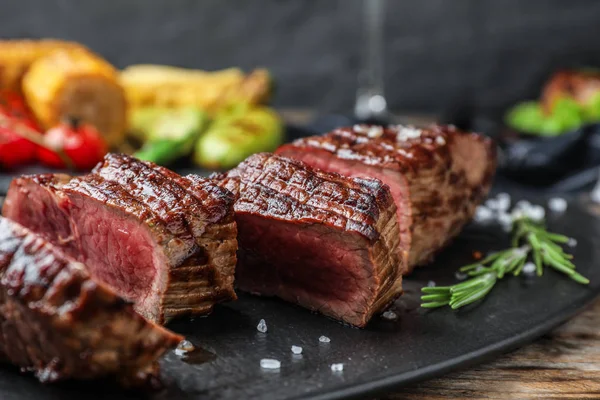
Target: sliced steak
<point>59,322</point>
<point>133,240</point>
<point>323,241</point>
<point>437,175</point>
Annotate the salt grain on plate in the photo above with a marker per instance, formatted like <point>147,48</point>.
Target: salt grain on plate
<point>269,363</point>
<point>536,213</point>
<point>483,214</point>
<point>337,367</point>
<point>324,339</point>
<point>185,346</point>
<point>523,205</point>
<point>505,219</point>
<point>572,242</point>
<point>390,315</point>
<point>430,284</point>
<point>557,204</point>
<point>461,276</point>
<point>440,140</point>
<point>262,326</point>
<point>529,268</point>
<point>492,204</point>
<point>296,349</point>
<point>503,200</point>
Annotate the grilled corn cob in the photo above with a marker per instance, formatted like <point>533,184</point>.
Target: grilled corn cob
<point>163,86</point>
<point>17,55</point>
<point>77,83</point>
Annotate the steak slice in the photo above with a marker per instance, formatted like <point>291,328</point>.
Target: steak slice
<point>148,254</point>
<point>437,175</point>
<point>58,322</point>
<point>323,241</point>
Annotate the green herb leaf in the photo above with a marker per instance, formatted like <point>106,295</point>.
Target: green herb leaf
<point>530,239</point>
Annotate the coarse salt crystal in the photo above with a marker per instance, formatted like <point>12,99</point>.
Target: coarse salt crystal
<point>360,128</point>
<point>407,132</point>
<point>324,339</point>
<point>492,204</point>
<point>389,314</point>
<point>269,363</point>
<point>505,219</point>
<point>503,201</point>
<point>337,367</point>
<point>440,140</point>
<point>483,214</point>
<point>529,268</point>
<point>296,349</point>
<point>536,213</point>
<point>430,284</point>
<point>557,204</point>
<point>461,276</point>
<point>523,205</point>
<point>375,132</point>
<point>185,346</point>
<point>262,326</point>
<point>572,242</point>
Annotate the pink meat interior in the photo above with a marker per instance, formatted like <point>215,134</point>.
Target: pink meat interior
<point>314,266</point>
<point>118,249</point>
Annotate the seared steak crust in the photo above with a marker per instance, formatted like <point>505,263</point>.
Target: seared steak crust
<point>169,249</point>
<point>219,237</point>
<point>321,240</point>
<point>58,322</point>
<point>447,173</point>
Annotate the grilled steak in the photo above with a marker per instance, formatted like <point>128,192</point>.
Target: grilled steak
<point>437,175</point>
<point>323,241</point>
<point>165,242</point>
<point>59,322</point>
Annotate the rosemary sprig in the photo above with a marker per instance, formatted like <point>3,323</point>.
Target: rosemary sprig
<point>529,239</point>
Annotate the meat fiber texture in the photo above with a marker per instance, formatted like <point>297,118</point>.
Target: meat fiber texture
<point>165,242</point>
<point>58,322</point>
<point>437,175</point>
<point>323,241</point>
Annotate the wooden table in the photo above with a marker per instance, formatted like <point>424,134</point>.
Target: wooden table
<point>564,364</point>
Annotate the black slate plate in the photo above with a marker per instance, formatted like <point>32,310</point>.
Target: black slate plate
<point>386,355</point>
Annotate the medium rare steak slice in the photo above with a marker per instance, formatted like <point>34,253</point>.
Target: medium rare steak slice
<point>59,322</point>
<point>134,241</point>
<point>437,175</point>
<point>323,241</point>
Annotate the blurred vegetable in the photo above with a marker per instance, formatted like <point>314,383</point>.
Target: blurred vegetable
<point>15,150</point>
<point>77,83</point>
<point>164,86</point>
<point>591,110</point>
<point>80,142</point>
<point>169,133</point>
<point>13,105</point>
<point>17,55</point>
<point>526,117</point>
<point>236,134</point>
<point>529,117</point>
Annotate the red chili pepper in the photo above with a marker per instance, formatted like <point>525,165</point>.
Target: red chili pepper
<point>81,143</point>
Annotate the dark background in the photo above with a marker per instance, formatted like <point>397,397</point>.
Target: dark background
<point>439,53</point>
